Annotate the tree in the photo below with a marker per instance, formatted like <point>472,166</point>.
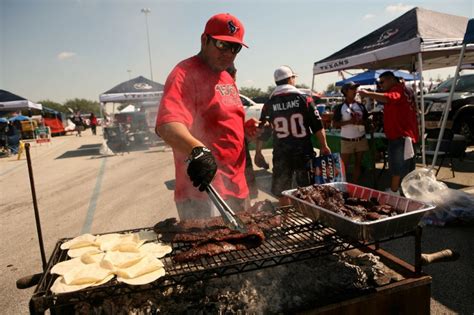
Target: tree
<point>331,88</point>
<point>270,89</point>
<point>302,86</point>
<point>53,105</point>
<point>251,92</point>
<point>83,105</point>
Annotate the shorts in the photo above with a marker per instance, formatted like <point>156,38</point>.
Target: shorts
<point>284,166</point>
<point>204,208</point>
<point>349,147</point>
<point>397,165</point>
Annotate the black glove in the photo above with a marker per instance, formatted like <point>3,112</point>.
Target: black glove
<point>202,167</point>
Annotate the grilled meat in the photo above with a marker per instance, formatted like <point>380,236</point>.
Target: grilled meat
<point>209,237</point>
<point>332,199</point>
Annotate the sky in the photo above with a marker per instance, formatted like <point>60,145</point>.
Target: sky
<point>65,49</point>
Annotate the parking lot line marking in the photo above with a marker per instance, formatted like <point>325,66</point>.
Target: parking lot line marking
<point>93,202</point>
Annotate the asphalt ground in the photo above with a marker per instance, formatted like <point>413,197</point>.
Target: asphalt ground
<point>79,190</point>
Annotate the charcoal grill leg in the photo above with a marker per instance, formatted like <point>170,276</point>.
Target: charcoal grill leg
<point>418,233</point>
<point>35,205</point>
<point>377,245</point>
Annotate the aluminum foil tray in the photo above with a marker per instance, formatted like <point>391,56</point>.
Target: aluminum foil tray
<point>365,231</point>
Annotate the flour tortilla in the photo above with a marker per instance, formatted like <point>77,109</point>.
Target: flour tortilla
<point>92,257</point>
<point>59,286</point>
<point>128,246</point>
<point>156,249</point>
<point>86,273</point>
<point>144,266</point>
<point>145,278</point>
<point>78,252</point>
<point>65,266</point>
<point>88,258</point>
<point>123,242</point>
<point>107,241</point>
<point>79,241</point>
<point>122,259</point>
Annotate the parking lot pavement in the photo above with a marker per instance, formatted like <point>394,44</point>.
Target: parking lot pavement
<point>79,190</point>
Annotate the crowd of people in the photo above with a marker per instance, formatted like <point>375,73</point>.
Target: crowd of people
<point>201,117</point>
<point>80,124</point>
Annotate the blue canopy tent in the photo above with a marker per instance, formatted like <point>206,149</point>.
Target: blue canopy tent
<point>20,118</point>
<point>370,76</point>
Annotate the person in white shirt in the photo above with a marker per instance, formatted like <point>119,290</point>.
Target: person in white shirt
<point>351,117</point>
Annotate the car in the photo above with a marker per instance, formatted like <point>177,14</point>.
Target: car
<point>461,115</point>
<point>252,109</point>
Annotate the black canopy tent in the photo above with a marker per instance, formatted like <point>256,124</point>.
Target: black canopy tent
<point>437,36</point>
<point>419,39</point>
<point>139,90</point>
<point>13,102</point>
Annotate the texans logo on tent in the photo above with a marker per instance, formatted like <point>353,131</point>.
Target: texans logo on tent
<point>142,86</point>
<point>387,34</point>
<point>232,27</point>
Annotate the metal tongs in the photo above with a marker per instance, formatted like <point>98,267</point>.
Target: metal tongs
<point>232,221</point>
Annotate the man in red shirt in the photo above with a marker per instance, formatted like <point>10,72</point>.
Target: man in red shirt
<point>202,118</point>
<point>400,125</point>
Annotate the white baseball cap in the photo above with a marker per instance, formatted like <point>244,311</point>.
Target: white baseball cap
<point>283,72</point>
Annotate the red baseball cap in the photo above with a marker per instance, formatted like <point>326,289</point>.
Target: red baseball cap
<point>225,27</point>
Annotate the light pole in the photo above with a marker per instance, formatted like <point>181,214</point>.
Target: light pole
<point>129,74</point>
<point>146,11</point>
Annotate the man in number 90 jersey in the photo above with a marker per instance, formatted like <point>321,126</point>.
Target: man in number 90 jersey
<point>293,117</point>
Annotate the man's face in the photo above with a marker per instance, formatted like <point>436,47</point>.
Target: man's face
<point>219,55</point>
<point>386,83</point>
<point>351,92</point>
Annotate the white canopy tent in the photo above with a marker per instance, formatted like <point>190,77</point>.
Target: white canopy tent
<point>419,39</point>
<point>13,102</point>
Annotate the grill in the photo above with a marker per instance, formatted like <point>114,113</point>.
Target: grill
<point>298,238</point>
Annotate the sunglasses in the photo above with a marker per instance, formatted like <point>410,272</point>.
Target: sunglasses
<point>224,46</point>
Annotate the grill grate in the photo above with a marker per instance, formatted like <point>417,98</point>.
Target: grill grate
<point>298,238</point>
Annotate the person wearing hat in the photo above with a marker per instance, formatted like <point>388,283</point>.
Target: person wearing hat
<point>400,126</point>
<point>293,117</point>
<point>351,117</point>
<point>202,118</point>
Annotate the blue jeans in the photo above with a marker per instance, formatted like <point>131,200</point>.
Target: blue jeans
<point>396,163</point>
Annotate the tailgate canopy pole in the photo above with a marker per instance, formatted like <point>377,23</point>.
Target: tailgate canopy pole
<point>422,106</point>
<point>468,39</point>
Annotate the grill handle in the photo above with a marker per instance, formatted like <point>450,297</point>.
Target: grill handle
<point>28,281</point>
<point>440,256</point>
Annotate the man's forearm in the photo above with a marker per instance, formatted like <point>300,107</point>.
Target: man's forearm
<point>321,136</point>
<point>376,96</point>
<point>178,137</point>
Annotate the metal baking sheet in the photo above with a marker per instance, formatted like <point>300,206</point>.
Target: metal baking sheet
<point>365,231</point>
